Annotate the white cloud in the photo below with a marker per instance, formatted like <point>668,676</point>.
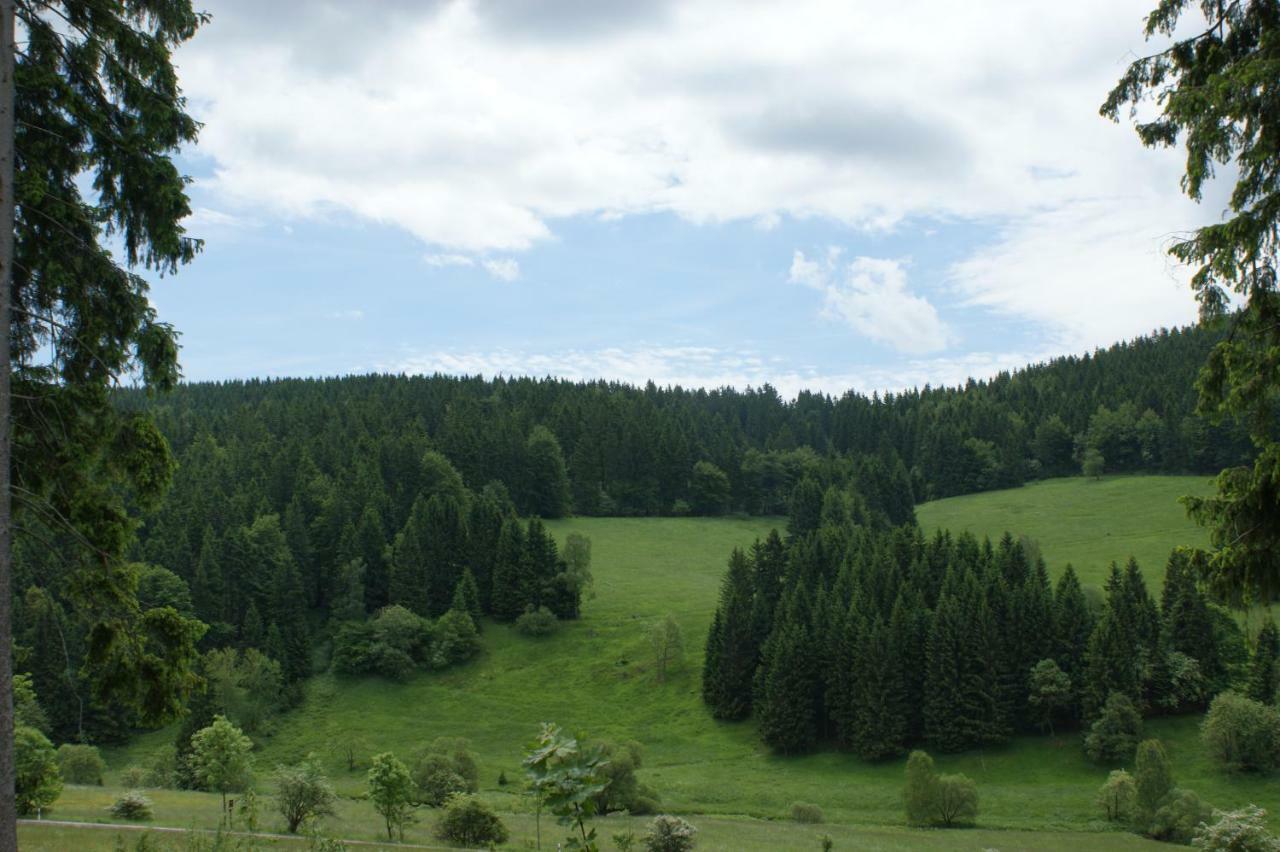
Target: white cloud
<point>443,260</point>
<point>476,125</point>
<point>709,367</point>
<point>504,269</point>
<point>871,296</point>
<point>347,315</point>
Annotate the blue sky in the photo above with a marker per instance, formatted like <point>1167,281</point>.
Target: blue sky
<point>804,193</point>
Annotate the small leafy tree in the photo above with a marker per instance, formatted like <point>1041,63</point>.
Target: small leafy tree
<point>670,834</point>
<point>1244,830</point>
<point>37,784</point>
<point>1177,819</point>
<point>1050,692</point>
<point>220,756</point>
<point>1241,734</point>
<point>955,800</point>
<point>1115,734</point>
<point>537,623</point>
<point>668,645</point>
<point>577,560</point>
<point>303,792</point>
<point>392,793</point>
<point>80,764</point>
<point>566,778</point>
<point>1153,779</point>
<point>1094,464</point>
<point>918,794</point>
<point>470,822</point>
<point>1117,796</point>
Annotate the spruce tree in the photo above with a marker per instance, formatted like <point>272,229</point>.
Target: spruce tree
<point>1188,622</point>
<point>787,683</point>
<point>409,555</point>
<point>1264,668</point>
<point>370,545</point>
<point>945,724</point>
<point>711,663</point>
<point>1115,658</point>
<point>466,597</point>
<point>737,654</point>
<point>879,729</point>
<point>1072,625</point>
<point>804,511</point>
<point>910,625</point>
<point>507,597</point>
<point>444,551</point>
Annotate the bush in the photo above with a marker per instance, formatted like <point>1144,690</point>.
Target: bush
<point>1118,796</point>
<point>806,812</point>
<point>1115,734</point>
<point>1178,818</point>
<point>955,800</point>
<point>1244,830</point>
<point>80,764</point>
<point>444,768</point>
<point>162,771</point>
<point>1242,735</point>
<point>132,806</point>
<point>538,622</point>
<point>37,784</point>
<point>468,821</point>
<point>623,791</point>
<point>1153,779</point>
<point>133,777</point>
<point>669,834</point>
<point>456,639</point>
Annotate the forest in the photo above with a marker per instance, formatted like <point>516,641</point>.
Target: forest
<point>298,505</point>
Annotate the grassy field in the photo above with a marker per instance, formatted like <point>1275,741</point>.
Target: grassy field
<point>1088,523</point>
<point>596,676</point>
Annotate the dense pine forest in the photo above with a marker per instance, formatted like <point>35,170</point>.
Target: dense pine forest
<point>299,505</point>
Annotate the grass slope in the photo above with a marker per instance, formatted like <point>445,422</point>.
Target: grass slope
<point>596,676</point>
<point>1088,523</point>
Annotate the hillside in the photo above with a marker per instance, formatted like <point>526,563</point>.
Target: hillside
<point>1086,523</point>
<point>596,676</point>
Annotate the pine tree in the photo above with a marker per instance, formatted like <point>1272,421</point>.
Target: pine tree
<point>1115,658</point>
<point>738,654</point>
<point>910,625</point>
<point>1188,623</point>
<point>409,555</point>
<point>787,684</point>
<point>1072,625</point>
<point>290,617</point>
<point>880,714</point>
<point>444,551</point>
<point>370,544</point>
<point>804,512</point>
<point>252,631</point>
<point>711,663</point>
<point>466,597</point>
<point>508,598</point>
<point>206,585</point>
<point>1264,668</point>
<point>945,723</point>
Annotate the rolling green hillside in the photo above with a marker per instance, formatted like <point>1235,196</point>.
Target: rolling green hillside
<point>1088,523</point>
<point>596,676</point>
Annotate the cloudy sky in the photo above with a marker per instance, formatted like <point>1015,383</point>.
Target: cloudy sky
<point>813,194</point>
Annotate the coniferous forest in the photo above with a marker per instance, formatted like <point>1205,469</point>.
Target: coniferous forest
<point>300,504</point>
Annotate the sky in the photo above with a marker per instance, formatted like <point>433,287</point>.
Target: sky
<point>822,195</point>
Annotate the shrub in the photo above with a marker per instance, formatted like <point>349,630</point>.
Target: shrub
<point>1244,830</point>
<point>624,840</point>
<point>623,791</point>
<point>133,776</point>
<point>955,800</point>
<point>1115,734</point>
<point>468,821</point>
<point>1177,819</point>
<point>37,783</point>
<point>303,792</point>
<point>1117,796</point>
<point>537,622</point>
<point>502,779</point>
<point>443,768</point>
<point>162,771</point>
<point>80,764</point>
<point>132,806</point>
<point>456,639</point>
<point>669,834</point>
<point>806,812</point>
<point>1241,734</point>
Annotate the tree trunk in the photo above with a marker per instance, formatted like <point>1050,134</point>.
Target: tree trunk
<point>8,808</point>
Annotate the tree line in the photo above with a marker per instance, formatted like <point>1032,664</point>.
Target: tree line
<point>876,639</point>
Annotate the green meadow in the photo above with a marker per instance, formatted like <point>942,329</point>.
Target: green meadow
<point>596,676</point>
